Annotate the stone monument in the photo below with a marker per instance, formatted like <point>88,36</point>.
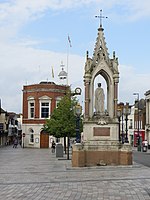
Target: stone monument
<point>101,144</point>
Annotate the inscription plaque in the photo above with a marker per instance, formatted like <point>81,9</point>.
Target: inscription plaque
<point>101,131</point>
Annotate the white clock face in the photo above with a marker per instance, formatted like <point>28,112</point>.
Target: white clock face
<point>78,90</point>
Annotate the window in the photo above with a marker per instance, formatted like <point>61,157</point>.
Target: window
<point>32,138</point>
<point>44,109</point>
<point>32,110</point>
<point>57,101</point>
<point>31,131</point>
<point>1,126</point>
<point>31,107</point>
<point>131,124</point>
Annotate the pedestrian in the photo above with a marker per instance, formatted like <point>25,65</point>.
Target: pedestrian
<point>15,143</point>
<point>53,147</point>
<point>20,142</point>
<point>144,145</point>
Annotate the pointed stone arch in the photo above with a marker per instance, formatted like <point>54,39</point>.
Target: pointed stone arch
<point>109,84</point>
<point>102,65</point>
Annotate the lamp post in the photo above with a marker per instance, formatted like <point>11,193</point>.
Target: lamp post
<point>126,112</point>
<point>139,139</point>
<point>70,93</point>
<point>119,119</point>
<point>78,112</point>
<point>23,136</point>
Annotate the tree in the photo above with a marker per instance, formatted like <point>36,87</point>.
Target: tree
<point>62,121</point>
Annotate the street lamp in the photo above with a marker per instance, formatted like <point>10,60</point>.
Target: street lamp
<point>139,139</point>
<point>119,119</point>
<point>78,112</point>
<point>126,112</point>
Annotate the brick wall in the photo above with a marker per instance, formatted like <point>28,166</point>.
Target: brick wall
<point>36,91</point>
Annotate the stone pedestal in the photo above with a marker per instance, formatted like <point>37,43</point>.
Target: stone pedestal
<point>101,146</point>
<point>92,155</point>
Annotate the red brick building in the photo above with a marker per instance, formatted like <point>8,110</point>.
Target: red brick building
<point>39,101</point>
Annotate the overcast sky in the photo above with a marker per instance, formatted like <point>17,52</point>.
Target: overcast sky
<point>33,38</point>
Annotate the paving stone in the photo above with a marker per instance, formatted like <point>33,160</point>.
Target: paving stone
<point>37,174</point>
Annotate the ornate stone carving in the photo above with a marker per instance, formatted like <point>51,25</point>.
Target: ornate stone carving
<point>102,121</point>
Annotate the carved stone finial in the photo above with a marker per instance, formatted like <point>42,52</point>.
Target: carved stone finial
<point>114,56</point>
<point>87,55</point>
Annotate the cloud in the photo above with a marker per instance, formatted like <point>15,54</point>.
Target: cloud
<point>131,82</point>
<point>21,62</point>
<point>20,11</point>
<point>27,65</point>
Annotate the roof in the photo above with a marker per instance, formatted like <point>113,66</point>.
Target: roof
<point>47,82</point>
<point>2,110</point>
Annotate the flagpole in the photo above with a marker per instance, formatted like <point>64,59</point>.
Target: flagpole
<point>67,60</point>
<point>0,106</point>
<point>69,45</point>
<point>52,72</point>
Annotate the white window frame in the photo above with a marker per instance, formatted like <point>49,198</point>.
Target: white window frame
<point>31,136</point>
<point>31,100</point>
<point>57,101</point>
<point>45,99</point>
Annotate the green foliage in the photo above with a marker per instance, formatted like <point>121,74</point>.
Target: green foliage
<point>63,120</point>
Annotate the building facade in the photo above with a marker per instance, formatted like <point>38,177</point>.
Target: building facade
<point>10,127</point>
<point>39,101</point>
<point>147,126</point>
<point>3,127</point>
<point>139,121</point>
<point>14,126</point>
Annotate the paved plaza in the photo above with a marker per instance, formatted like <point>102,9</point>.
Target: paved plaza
<point>36,174</point>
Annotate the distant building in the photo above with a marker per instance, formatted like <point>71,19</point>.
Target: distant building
<point>14,126</point>
<point>39,101</point>
<point>147,127</point>
<point>3,127</point>
<point>136,120</point>
<point>139,121</point>
<point>131,126</point>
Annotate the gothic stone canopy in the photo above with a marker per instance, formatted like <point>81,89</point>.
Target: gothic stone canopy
<point>101,64</point>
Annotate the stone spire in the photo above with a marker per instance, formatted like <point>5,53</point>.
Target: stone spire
<point>100,50</point>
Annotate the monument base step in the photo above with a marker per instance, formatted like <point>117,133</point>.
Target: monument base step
<point>83,157</point>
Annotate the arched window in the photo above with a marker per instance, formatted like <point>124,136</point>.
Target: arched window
<point>31,133</point>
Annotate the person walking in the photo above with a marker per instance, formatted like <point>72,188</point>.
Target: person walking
<point>53,147</point>
<point>15,143</point>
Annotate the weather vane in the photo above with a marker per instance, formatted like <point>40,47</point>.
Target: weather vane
<point>100,17</point>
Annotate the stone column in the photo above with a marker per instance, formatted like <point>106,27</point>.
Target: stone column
<point>116,81</point>
<point>87,86</point>
<point>115,98</point>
